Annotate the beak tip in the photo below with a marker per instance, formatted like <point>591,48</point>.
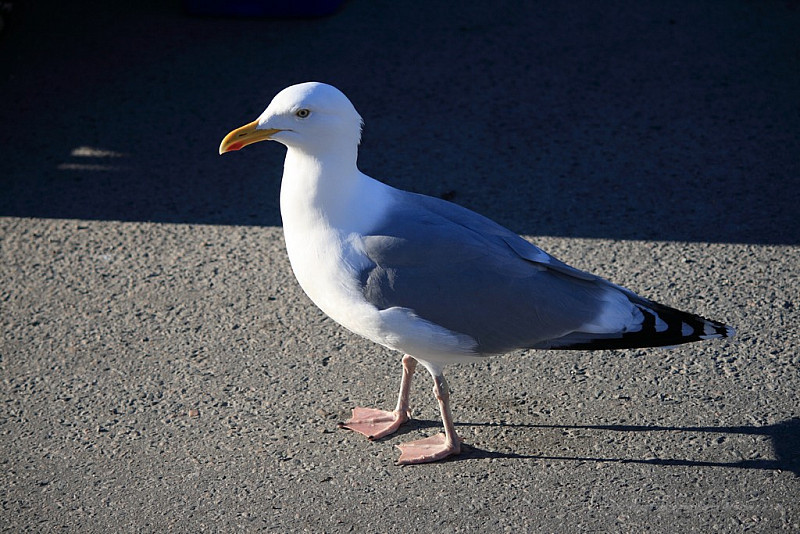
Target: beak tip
<point>223,148</point>
<point>243,136</point>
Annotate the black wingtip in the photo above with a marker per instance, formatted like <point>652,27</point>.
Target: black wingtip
<point>661,326</point>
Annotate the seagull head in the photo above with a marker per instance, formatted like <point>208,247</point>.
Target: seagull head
<point>313,117</point>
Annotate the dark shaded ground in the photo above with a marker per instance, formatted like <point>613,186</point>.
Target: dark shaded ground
<point>623,120</point>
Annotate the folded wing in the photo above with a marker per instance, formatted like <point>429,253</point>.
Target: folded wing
<point>466,273</point>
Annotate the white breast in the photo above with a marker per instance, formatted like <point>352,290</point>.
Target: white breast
<point>323,223</point>
<point>326,264</point>
<point>323,235</point>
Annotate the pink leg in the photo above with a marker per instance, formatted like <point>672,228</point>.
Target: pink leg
<point>441,445</point>
<point>376,424</point>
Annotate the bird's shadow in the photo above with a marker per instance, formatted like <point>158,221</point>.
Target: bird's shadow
<point>784,438</point>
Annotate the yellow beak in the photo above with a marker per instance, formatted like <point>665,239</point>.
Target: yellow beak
<point>246,135</point>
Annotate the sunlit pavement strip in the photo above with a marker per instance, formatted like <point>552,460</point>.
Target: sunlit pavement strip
<point>84,156</point>
<point>180,368</point>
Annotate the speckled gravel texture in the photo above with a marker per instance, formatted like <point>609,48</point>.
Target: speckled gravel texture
<point>160,369</point>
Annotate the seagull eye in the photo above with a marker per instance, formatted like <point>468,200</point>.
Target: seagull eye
<point>302,113</point>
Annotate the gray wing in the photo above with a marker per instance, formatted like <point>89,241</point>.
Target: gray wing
<point>465,272</point>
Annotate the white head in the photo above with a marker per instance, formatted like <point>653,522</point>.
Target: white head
<point>312,117</point>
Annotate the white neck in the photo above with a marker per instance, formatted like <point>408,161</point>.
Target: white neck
<point>324,189</point>
<point>327,206</point>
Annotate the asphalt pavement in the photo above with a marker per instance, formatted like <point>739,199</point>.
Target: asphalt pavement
<point>163,372</point>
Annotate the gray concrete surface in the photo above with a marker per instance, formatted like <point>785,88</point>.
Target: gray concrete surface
<point>161,370</point>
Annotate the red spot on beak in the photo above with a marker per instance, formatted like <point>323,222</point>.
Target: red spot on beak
<point>234,146</point>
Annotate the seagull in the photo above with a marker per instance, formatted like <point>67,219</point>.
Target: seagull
<point>428,278</point>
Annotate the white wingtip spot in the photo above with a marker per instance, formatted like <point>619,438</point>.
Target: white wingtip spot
<point>711,333</point>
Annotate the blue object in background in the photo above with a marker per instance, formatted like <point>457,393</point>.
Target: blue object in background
<point>263,8</point>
